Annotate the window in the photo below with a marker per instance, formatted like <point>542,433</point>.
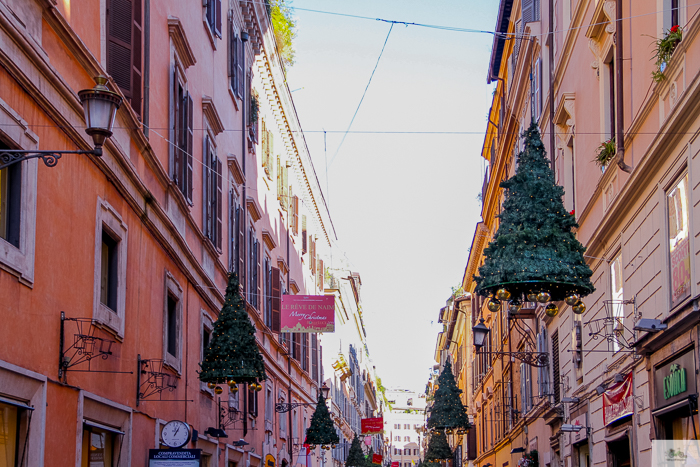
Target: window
<point>253,268</point>
<point>407,439</point>
<point>608,83</point>
<point>304,351</point>
<point>295,215</point>
<point>304,245</point>
<point>101,445</point>
<point>542,372</point>
<point>415,452</point>
<point>406,426</point>
<point>172,326</point>
<point>282,183</point>
<point>109,304</point>
<point>397,438</point>
<point>236,61</point>
<point>124,50</point>
<point>397,426</point>
<point>213,202</point>
<point>525,388</point>
<point>269,409</point>
<point>10,206</point>
<point>536,85</point>
<point>617,296</point>
<point>182,135</point>
<point>252,402</point>
<point>237,237</point>
<point>10,429</point>
<point>672,14</point>
<point>679,246</point>
<point>530,11</point>
<point>555,366</point>
<point>213,17</point>
<point>267,147</point>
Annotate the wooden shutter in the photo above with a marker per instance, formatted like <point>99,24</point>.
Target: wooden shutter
<point>555,365</point>
<point>304,245</point>
<point>120,23</point>
<point>217,23</point>
<point>528,11</point>
<point>241,246</point>
<point>207,191</point>
<point>279,178</point>
<point>257,269</point>
<point>179,131</point>
<point>240,64</point>
<point>231,231</point>
<point>136,67</point>
<point>314,357</point>
<point>276,300</point>
<point>320,274</point>
<point>296,337</point>
<point>219,203</point>
<point>295,215</point>
<point>190,139</point>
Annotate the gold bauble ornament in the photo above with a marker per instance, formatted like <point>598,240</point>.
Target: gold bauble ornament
<point>514,306</point>
<point>543,297</point>
<point>502,294</point>
<point>218,390</point>
<point>493,305</point>
<point>532,297</point>
<point>551,310</point>
<point>258,387</point>
<point>579,308</point>
<point>211,385</point>
<point>231,383</point>
<point>234,389</point>
<point>572,299</point>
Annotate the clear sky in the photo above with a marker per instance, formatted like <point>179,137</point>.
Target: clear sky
<point>404,205</point>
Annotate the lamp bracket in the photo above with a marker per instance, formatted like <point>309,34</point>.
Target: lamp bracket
<point>152,379</point>
<point>282,407</point>
<point>85,347</point>
<point>536,359</point>
<point>50,158</point>
<point>228,415</point>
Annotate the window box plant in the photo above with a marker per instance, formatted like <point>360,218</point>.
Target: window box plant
<point>606,151</point>
<point>664,50</point>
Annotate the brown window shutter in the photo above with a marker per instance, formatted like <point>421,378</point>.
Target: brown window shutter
<point>178,128</point>
<point>219,203</point>
<point>217,12</point>
<point>241,247</point>
<point>190,140</point>
<point>257,278</point>
<point>304,245</point>
<point>304,351</point>
<point>120,19</point>
<point>136,79</point>
<point>207,190</point>
<point>314,357</point>
<point>320,274</point>
<point>296,215</point>
<point>240,64</point>
<point>297,345</point>
<point>276,300</point>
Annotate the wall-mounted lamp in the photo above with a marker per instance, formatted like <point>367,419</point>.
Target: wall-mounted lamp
<point>570,400</point>
<point>569,428</point>
<point>650,325</point>
<point>601,389</point>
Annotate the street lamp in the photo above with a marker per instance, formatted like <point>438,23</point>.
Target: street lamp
<point>325,390</point>
<point>536,359</point>
<point>480,331</point>
<point>100,106</point>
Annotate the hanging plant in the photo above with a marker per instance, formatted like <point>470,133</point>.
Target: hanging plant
<point>664,51</point>
<point>254,108</point>
<point>529,459</point>
<point>606,151</point>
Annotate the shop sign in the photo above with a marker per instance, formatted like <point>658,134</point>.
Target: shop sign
<point>372,425</point>
<point>675,380</point>
<point>308,313</point>
<point>618,401</point>
<point>394,464</point>
<point>376,459</point>
<point>269,460</point>
<point>174,457</point>
<point>583,433</point>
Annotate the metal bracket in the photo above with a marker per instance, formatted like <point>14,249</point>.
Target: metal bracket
<point>228,415</point>
<point>282,407</point>
<point>611,328</point>
<point>50,158</point>
<point>85,347</point>
<point>536,359</point>
<point>151,379</point>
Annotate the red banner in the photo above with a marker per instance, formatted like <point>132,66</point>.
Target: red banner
<point>376,458</point>
<point>394,464</point>
<point>308,313</point>
<point>372,425</point>
<point>617,401</point>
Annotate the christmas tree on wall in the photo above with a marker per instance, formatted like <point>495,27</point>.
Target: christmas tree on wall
<point>233,353</point>
<point>534,249</point>
<point>438,447</point>
<point>356,457</point>
<point>321,431</point>
<point>447,411</point>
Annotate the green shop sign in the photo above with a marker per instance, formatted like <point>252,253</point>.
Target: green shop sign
<point>675,382</point>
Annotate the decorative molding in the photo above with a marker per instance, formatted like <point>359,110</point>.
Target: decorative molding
<point>564,114</point>
<point>253,209</point>
<point>269,241</point>
<point>236,170</point>
<point>293,286</point>
<point>282,264</point>
<point>182,45</point>
<point>211,114</point>
<point>603,18</point>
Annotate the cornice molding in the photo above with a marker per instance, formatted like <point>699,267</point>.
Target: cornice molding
<point>269,241</point>
<point>212,115</point>
<point>253,209</point>
<point>236,171</point>
<point>182,45</point>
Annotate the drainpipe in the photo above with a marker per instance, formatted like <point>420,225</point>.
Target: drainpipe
<point>620,107</point>
<point>146,65</point>
<point>552,149</point>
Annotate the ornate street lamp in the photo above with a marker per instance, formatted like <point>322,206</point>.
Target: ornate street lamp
<point>283,407</point>
<point>100,106</point>
<point>536,359</point>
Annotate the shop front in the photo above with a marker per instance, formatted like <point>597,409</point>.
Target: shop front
<point>618,409</point>
<point>675,411</point>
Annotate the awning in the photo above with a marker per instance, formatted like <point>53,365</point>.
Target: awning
<point>620,435</point>
<point>15,403</point>
<point>102,427</point>
<point>685,403</point>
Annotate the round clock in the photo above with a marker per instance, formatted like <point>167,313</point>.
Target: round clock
<point>176,434</point>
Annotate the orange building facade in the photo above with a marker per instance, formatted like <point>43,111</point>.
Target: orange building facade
<point>113,268</point>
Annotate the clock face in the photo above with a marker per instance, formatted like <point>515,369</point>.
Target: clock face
<point>176,434</point>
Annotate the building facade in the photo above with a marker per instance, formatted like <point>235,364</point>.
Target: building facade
<point>113,268</point>
<point>585,72</point>
<point>404,427</point>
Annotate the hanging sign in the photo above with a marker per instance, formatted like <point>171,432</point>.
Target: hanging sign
<point>174,457</point>
<point>394,464</point>
<point>372,425</point>
<point>617,401</point>
<point>377,458</point>
<point>308,313</point>
<point>675,380</point>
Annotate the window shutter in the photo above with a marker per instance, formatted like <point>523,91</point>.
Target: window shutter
<point>190,138</point>
<point>279,178</point>
<point>120,22</point>
<point>136,97</point>
<point>241,246</point>
<point>314,357</point>
<point>207,191</point>
<point>297,345</point>
<point>219,203</point>
<point>295,214</point>
<point>276,300</point>
<point>320,274</point>
<point>555,366</point>
<point>240,64</point>
<point>304,351</point>
<point>210,13</point>
<point>179,126</point>
<point>528,11</point>
<point>217,12</point>
<point>231,231</point>
<point>257,269</point>
<point>304,246</point>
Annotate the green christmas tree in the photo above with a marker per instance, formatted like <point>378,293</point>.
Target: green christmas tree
<point>534,248</point>
<point>368,458</point>
<point>356,457</point>
<point>321,431</point>
<point>438,447</point>
<point>233,353</point>
<point>447,411</point>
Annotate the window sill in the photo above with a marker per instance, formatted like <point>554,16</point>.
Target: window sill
<point>210,34</point>
<point>234,98</point>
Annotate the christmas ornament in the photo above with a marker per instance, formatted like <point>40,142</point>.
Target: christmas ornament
<point>218,390</point>
<point>502,294</point>
<point>572,299</point>
<point>534,247</point>
<point>532,296</point>
<point>493,305</point>
<point>438,447</point>
<point>355,456</point>
<point>551,310</point>
<point>579,308</point>
<point>211,385</point>
<point>514,306</point>
<point>543,297</point>
<point>231,383</point>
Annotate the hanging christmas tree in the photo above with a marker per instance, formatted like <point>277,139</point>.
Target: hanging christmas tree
<point>368,458</point>
<point>321,431</point>
<point>447,411</point>
<point>534,251</point>
<point>356,457</point>
<point>438,447</point>
<point>233,356</point>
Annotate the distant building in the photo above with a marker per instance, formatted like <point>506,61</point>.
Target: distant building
<point>404,426</point>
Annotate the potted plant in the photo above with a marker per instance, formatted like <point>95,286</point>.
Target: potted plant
<point>606,151</point>
<point>664,51</point>
<point>529,459</point>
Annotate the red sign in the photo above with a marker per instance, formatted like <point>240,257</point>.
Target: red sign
<point>617,401</point>
<point>372,425</point>
<point>394,464</point>
<point>308,313</point>
<point>376,458</point>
